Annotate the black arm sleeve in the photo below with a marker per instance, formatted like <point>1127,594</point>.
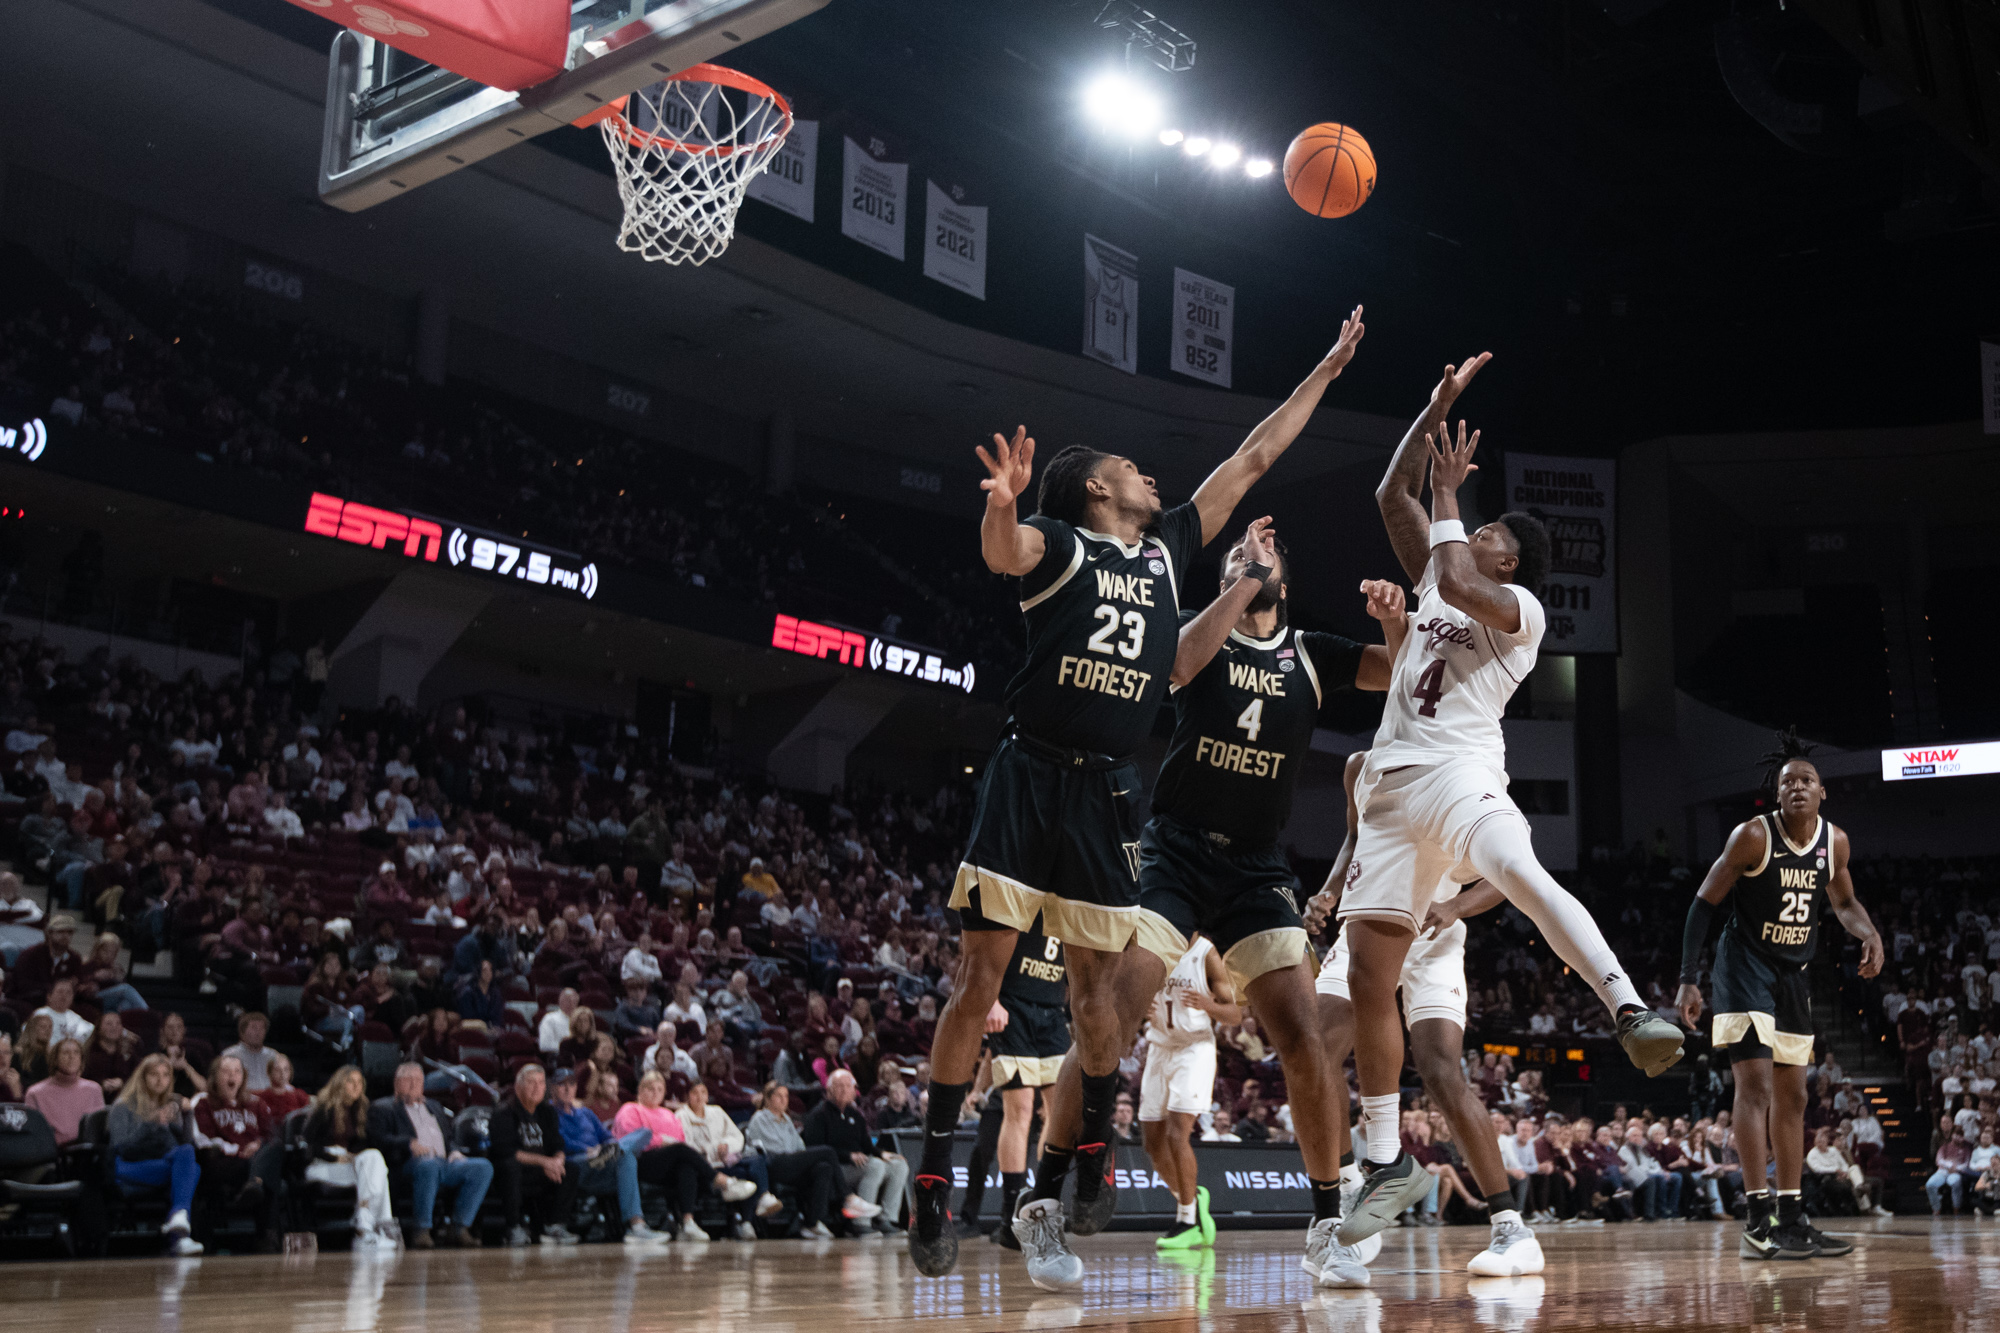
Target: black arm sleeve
<point>1700,912</point>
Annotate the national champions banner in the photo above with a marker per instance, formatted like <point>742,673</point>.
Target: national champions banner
<point>955,239</point>
<point>1577,499</point>
<point>786,182</point>
<point>1204,327</point>
<point>874,193</point>
<point>1110,304</point>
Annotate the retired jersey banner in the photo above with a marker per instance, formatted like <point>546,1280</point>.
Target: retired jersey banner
<point>1204,327</point>
<point>874,193</point>
<point>786,182</point>
<point>955,239</point>
<point>1577,499</point>
<point>1110,304</point>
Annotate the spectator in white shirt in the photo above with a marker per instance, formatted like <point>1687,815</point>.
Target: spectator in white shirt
<point>65,1022</point>
<point>677,876</point>
<point>686,1008</point>
<point>391,798</point>
<point>26,738</point>
<point>1517,1156</point>
<point>554,1028</point>
<point>400,766</point>
<point>776,912</point>
<point>281,818</point>
<point>1544,1021</point>
<point>640,962</point>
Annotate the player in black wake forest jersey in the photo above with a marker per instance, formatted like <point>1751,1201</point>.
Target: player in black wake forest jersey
<point>1247,690</point>
<point>1777,872</point>
<point>1054,830</point>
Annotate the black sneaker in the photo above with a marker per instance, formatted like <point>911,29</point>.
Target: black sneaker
<point>1004,1237</point>
<point>1830,1247</point>
<point>1385,1192</point>
<point>933,1239</point>
<point>1096,1190</point>
<point>1757,1242</point>
<point>1794,1242</point>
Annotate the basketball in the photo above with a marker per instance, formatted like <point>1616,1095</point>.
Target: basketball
<point>1329,170</point>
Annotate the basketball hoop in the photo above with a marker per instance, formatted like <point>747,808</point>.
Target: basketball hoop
<point>685,150</point>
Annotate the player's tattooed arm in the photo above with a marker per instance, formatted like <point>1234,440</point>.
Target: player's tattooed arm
<point>1400,496</point>
<point>1202,638</point>
<point>1853,916</point>
<point>1218,496</point>
<point>1459,581</point>
<point>1009,545</point>
<point>1378,661</point>
<point>1740,855</point>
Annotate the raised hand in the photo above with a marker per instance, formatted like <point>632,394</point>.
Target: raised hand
<point>1385,599</point>
<point>1351,332</point>
<point>1260,544</point>
<point>1451,463</point>
<point>1009,467</point>
<point>1455,380</point>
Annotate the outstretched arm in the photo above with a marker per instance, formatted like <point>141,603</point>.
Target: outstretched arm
<point>1323,904</point>
<point>1741,854</point>
<point>1201,638</point>
<point>1009,545</point>
<point>1400,496</point>
<point>1459,581</point>
<point>1847,907</point>
<point>1217,498</point>
<point>1378,661</point>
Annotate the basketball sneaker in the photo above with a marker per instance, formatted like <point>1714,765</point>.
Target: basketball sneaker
<point>1830,1247</point>
<point>1051,1264</point>
<point>1757,1242</point>
<point>1512,1252</point>
<point>1385,1192</point>
<point>933,1239</point>
<point>1203,1216</point>
<point>1794,1242</point>
<point>1651,1042</point>
<point>1180,1236</point>
<point>1096,1189</point>
<point>1331,1263</point>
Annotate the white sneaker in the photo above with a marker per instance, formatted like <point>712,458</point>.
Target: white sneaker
<point>744,1231</point>
<point>770,1204</point>
<point>1318,1247</point>
<point>1512,1252</point>
<point>858,1209</point>
<point>691,1230</point>
<point>641,1234</point>
<point>737,1190</point>
<point>817,1231</point>
<point>176,1221</point>
<point>372,1241</point>
<point>1331,1263</point>
<point>1050,1262</point>
<point>183,1246</point>
<point>1880,1211</point>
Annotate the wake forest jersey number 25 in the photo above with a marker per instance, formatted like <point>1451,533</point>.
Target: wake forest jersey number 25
<point>1777,905</point>
<point>1103,624</point>
<point>1242,727</point>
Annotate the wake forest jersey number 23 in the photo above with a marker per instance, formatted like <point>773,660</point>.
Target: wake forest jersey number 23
<point>1103,624</point>
<point>1242,727</point>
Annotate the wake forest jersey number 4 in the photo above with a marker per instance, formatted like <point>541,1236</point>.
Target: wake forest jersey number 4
<point>1242,727</point>
<point>1103,624</point>
<point>1778,903</point>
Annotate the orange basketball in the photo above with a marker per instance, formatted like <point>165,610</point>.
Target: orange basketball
<point>1329,170</point>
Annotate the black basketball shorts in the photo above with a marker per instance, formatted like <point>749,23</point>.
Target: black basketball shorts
<point>1243,896</point>
<point>1057,838</point>
<point>1763,1010</point>
<point>1028,1052</point>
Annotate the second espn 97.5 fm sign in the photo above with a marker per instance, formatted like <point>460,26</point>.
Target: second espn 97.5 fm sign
<point>869,652</point>
<point>1577,499</point>
<point>425,539</point>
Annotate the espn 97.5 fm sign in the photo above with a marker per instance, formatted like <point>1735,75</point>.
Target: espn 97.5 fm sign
<point>869,652</point>
<point>478,552</point>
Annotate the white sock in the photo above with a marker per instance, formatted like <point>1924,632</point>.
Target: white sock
<point>1502,852</point>
<point>1351,1174</point>
<point>1184,1212</point>
<point>1506,1215</point>
<point>1380,1122</point>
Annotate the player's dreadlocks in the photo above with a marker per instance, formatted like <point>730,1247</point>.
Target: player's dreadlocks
<point>1790,747</point>
<point>1062,494</point>
<point>1531,542</point>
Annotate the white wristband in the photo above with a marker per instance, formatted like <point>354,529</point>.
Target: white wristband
<point>1446,530</point>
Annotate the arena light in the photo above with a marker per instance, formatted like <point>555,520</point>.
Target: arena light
<point>1257,166</point>
<point>1118,104</point>
<point>1196,146</point>
<point>1171,137</point>
<point>1225,155</point>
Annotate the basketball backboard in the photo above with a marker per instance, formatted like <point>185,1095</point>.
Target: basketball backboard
<point>394,123</point>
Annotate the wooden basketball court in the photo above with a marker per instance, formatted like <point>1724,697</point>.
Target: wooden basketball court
<point>1905,1274</point>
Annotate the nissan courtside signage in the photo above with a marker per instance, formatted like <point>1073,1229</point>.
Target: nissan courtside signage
<point>1940,761</point>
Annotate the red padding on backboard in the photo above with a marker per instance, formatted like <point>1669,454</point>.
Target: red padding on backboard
<point>509,44</point>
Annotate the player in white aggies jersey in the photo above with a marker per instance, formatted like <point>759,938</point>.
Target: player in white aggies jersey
<point>1433,795</point>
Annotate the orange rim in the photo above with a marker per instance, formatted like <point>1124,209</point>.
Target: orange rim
<point>614,116</point>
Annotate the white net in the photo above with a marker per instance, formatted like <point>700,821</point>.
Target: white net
<point>685,151</point>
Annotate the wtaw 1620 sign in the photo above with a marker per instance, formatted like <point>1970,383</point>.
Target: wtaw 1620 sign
<point>869,652</point>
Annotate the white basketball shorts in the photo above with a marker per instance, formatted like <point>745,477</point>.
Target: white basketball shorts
<point>1433,980</point>
<point>1415,830</point>
<point>1177,1078</point>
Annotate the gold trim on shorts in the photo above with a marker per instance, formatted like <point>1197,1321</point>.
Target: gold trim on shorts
<point>1035,1071</point>
<point>1159,937</point>
<point>1266,951</point>
<point>1010,903</point>
<point>1006,901</point>
<point>1787,1048</point>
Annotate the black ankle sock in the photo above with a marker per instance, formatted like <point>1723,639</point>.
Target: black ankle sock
<point>1347,1159</point>
<point>1789,1207</point>
<point>1011,1185</point>
<point>1100,1099</point>
<point>1050,1171</point>
<point>1326,1199</point>
<point>1500,1201</point>
<point>941,1127</point>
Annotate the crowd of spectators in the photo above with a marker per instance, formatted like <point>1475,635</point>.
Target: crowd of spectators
<point>222,381</point>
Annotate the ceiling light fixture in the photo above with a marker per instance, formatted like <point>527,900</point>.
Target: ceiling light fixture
<point>1225,155</point>
<point>1171,137</point>
<point>1196,146</point>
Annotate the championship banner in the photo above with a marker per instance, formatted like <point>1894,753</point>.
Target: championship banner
<point>1110,304</point>
<point>955,246</point>
<point>1577,499</point>
<point>1204,327</point>
<point>873,189</point>
<point>786,182</point>
<point>1989,356</point>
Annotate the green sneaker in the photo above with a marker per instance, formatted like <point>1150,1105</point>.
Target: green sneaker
<point>1203,1218</point>
<point>1181,1236</point>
